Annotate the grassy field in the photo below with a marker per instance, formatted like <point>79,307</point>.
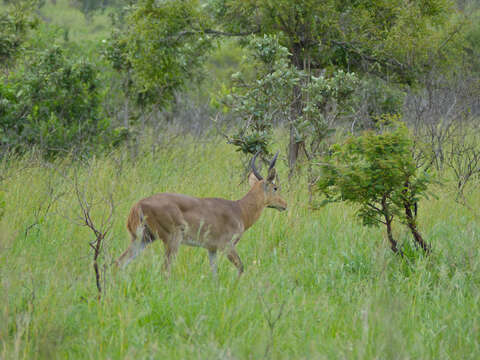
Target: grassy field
<point>336,289</point>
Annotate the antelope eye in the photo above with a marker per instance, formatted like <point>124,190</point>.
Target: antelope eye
<point>275,188</point>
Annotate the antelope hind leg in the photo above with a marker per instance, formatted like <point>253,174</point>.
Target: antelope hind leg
<point>234,258</point>
<point>136,246</point>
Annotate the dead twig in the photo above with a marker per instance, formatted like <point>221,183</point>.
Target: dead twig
<point>272,319</point>
<point>100,230</point>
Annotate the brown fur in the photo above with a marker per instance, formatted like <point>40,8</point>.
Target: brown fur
<point>213,223</point>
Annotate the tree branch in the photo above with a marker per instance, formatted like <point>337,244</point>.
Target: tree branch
<point>392,62</point>
<point>210,32</point>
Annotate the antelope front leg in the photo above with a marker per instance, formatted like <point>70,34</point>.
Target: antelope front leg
<point>212,256</point>
<point>232,255</point>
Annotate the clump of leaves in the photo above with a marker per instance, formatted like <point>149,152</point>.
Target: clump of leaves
<point>261,94</point>
<point>377,172</point>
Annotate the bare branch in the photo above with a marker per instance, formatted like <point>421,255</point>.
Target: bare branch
<point>272,320</point>
<point>100,231</point>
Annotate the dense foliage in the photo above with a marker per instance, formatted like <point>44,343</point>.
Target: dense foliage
<point>385,39</point>
<point>53,102</point>
<point>161,45</point>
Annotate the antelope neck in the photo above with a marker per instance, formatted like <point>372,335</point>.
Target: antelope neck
<point>252,205</point>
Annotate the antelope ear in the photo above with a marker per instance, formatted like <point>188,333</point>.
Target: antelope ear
<point>252,179</point>
<point>271,175</point>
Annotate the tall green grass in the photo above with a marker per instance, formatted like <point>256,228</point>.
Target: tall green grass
<point>344,295</point>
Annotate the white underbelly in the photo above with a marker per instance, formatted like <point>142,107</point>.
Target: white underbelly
<point>192,242</point>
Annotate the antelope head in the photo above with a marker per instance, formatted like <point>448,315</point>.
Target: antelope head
<point>267,187</point>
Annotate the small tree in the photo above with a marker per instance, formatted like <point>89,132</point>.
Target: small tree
<point>103,206</point>
<point>263,94</point>
<point>377,172</point>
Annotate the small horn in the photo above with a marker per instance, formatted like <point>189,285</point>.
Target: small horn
<point>254,169</point>
<point>274,160</point>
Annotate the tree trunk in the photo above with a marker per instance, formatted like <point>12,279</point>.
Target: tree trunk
<point>97,246</point>
<point>411,223</point>
<point>293,149</point>
<point>126,113</point>
<point>126,105</point>
<point>411,220</point>
<point>295,110</point>
<point>388,223</point>
<point>393,243</point>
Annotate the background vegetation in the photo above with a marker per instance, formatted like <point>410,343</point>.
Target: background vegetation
<point>103,102</point>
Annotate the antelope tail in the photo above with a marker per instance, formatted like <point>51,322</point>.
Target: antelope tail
<point>143,232</point>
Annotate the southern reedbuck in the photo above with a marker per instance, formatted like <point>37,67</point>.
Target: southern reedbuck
<point>212,223</point>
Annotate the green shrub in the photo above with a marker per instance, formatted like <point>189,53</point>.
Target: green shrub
<point>52,103</point>
<point>378,173</point>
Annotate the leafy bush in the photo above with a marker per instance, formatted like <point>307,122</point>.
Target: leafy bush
<point>52,103</point>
